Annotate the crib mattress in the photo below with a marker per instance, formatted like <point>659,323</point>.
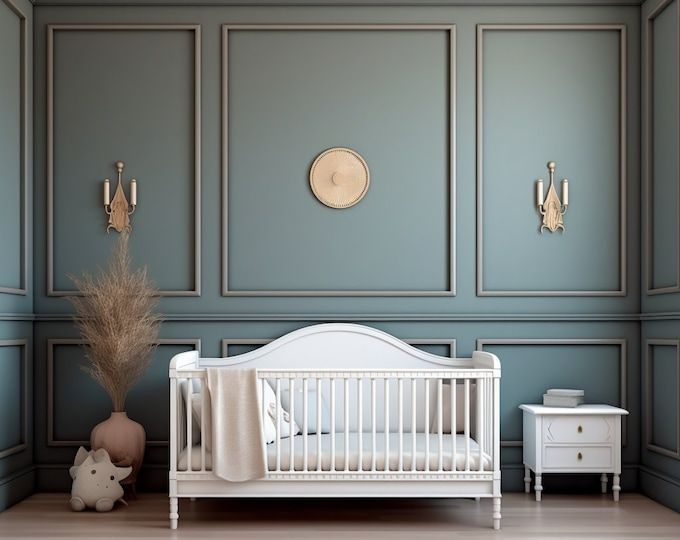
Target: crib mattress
<point>366,454</point>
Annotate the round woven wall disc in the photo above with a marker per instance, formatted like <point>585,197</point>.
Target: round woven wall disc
<point>339,177</point>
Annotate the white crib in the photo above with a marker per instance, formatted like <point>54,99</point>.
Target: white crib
<point>376,418</point>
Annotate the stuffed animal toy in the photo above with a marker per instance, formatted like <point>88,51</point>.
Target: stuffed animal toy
<point>96,481</point>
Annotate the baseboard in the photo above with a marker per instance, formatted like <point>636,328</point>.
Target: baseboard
<point>660,487</point>
<point>56,478</point>
<point>16,487</point>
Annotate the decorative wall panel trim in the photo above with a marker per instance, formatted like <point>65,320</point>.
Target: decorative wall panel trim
<point>23,444</point>
<point>51,344</point>
<point>648,390</point>
<point>24,145</point>
<point>196,29</point>
<point>648,150</point>
<point>623,366</point>
<point>623,158</point>
<point>451,30</point>
<point>420,317</point>
<point>451,343</point>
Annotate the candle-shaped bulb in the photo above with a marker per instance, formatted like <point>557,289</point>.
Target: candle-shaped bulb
<point>565,192</point>
<point>539,192</point>
<point>133,192</point>
<point>107,192</point>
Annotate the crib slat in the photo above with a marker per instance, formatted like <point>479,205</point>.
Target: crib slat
<point>400,406</point>
<point>291,423</point>
<point>332,383</point>
<point>263,383</point>
<point>440,427</point>
<point>305,423</point>
<point>278,424</point>
<point>204,408</point>
<point>373,457</point>
<point>190,443</point>
<point>454,430</point>
<point>386,464</point>
<point>360,423</point>
<point>480,428</point>
<point>427,425</point>
<point>413,424</point>
<point>345,384</point>
<point>467,424</point>
<point>318,423</point>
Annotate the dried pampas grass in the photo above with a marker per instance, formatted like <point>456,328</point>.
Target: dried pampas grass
<point>117,319</point>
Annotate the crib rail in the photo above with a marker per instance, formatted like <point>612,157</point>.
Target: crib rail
<point>355,423</point>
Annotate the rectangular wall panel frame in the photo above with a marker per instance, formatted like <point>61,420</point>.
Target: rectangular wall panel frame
<point>649,387</point>
<point>451,29</point>
<point>51,344</point>
<point>196,29</point>
<point>623,367</point>
<point>451,343</point>
<point>23,156</point>
<point>648,161</point>
<point>623,158</point>
<point>23,444</point>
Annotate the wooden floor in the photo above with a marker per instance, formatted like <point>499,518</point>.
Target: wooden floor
<point>558,516</point>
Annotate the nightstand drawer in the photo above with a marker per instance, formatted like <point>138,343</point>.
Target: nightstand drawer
<point>577,429</point>
<point>578,457</point>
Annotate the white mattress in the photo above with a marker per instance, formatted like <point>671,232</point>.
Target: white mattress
<point>366,458</point>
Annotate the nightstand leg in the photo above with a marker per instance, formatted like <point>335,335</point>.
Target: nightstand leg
<point>527,480</point>
<point>538,487</point>
<point>603,481</point>
<point>616,487</point>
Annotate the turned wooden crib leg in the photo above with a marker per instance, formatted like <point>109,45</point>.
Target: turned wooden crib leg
<point>496,513</point>
<point>527,480</point>
<point>174,512</point>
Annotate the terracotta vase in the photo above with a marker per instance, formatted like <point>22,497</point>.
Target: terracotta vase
<point>124,440</point>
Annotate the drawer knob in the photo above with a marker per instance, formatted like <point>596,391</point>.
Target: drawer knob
<point>580,429</point>
<point>579,456</point>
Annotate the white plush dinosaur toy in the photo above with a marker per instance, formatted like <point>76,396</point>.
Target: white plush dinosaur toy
<point>96,481</point>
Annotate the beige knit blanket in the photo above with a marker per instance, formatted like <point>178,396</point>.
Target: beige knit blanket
<point>237,442</point>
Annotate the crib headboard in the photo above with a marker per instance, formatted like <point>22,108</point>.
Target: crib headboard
<point>339,345</point>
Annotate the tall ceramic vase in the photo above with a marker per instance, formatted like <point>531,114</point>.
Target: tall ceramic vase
<point>124,440</point>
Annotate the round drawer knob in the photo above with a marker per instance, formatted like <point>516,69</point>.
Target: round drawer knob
<point>580,429</point>
<point>579,456</point>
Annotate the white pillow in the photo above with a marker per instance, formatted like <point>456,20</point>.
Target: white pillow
<point>195,407</point>
<point>460,408</point>
<point>298,412</point>
<point>287,424</point>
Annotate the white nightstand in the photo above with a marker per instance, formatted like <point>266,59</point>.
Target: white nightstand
<point>584,439</point>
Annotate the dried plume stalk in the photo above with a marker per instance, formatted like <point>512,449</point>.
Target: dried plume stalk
<point>117,319</point>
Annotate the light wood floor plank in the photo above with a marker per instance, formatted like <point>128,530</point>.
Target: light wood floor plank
<point>558,516</point>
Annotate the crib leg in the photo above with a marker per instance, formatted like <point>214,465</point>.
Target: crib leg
<point>174,512</point>
<point>496,513</point>
<point>527,480</point>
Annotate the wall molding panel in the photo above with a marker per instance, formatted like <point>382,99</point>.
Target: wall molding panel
<point>21,288</point>
<point>451,31</point>
<point>482,29</point>
<point>450,343</point>
<point>648,152</point>
<point>51,30</point>
<point>24,406</point>
<point>52,441</point>
<point>649,392</point>
<point>622,375</point>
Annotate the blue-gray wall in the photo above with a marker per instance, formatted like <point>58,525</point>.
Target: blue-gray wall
<point>660,442</point>
<point>406,99</point>
<point>16,274</point>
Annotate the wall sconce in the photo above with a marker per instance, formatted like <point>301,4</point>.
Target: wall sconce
<point>118,209</point>
<point>550,207</point>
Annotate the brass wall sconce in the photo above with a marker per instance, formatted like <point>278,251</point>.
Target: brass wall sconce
<point>550,207</point>
<point>119,209</point>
